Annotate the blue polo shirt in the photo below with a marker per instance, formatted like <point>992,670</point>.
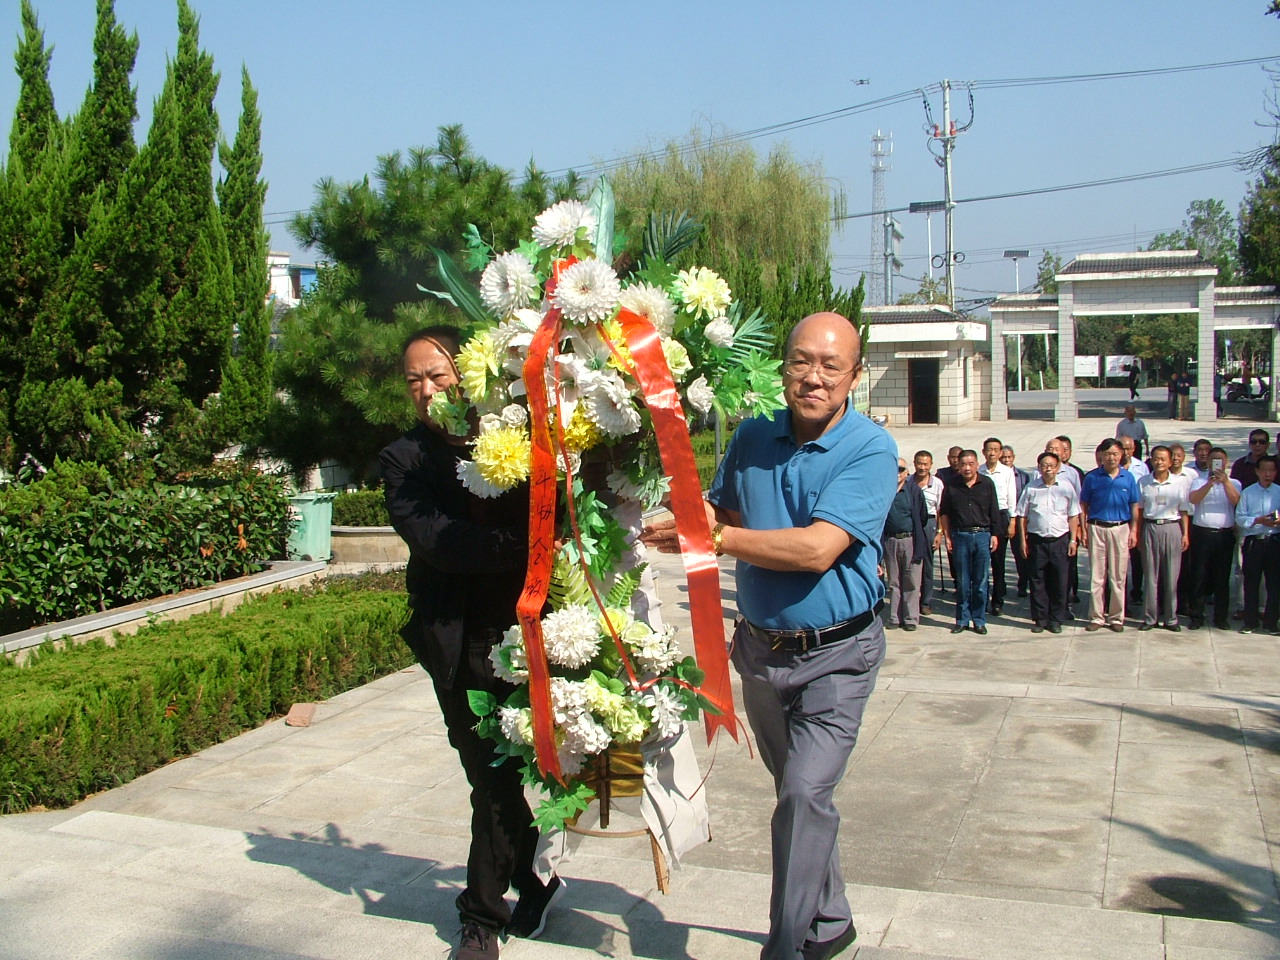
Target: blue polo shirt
<point>847,477</point>
<point>1110,500</point>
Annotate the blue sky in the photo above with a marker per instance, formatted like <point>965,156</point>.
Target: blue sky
<point>571,82</point>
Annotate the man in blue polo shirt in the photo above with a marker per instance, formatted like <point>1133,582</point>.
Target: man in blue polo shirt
<point>1109,500</point>
<point>800,500</point>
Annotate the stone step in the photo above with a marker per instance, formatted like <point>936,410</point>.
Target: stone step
<point>107,886</point>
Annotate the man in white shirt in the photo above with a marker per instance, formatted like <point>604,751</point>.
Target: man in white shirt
<point>1130,459</point>
<point>1007,498</point>
<point>1258,518</point>
<point>1213,539</point>
<point>931,487</point>
<point>1165,512</point>
<point>1072,476</point>
<point>1131,426</point>
<point>1048,513</point>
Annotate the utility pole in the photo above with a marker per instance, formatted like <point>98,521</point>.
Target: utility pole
<point>945,135</point>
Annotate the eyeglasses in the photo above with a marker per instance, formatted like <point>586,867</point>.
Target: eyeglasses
<point>1259,440</point>
<point>828,375</point>
<point>902,469</point>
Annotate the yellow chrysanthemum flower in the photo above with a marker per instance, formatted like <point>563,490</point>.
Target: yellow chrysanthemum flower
<point>620,355</point>
<point>501,454</point>
<point>477,363</point>
<point>703,292</point>
<point>581,433</point>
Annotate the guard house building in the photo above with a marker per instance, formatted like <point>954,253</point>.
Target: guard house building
<point>1123,284</point>
<point>926,364</point>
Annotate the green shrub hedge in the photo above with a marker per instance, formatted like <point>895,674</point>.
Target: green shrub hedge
<point>363,508</point>
<point>90,717</point>
<point>72,543</point>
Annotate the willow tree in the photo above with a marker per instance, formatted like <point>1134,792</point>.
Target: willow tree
<point>776,209</point>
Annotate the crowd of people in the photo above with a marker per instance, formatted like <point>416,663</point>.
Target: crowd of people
<point>1162,535</point>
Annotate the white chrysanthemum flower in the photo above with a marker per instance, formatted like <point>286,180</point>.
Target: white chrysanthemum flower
<point>720,332</point>
<point>558,225</point>
<point>508,283</point>
<point>568,700</point>
<point>516,724</point>
<point>572,636</point>
<point>700,395</point>
<point>475,483</point>
<point>652,303</point>
<point>508,657</point>
<point>677,358</point>
<point>587,291</point>
<point>586,735</point>
<point>575,462</point>
<point>609,404</point>
<point>703,292</point>
<point>667,709</point>
<point>657,651</point>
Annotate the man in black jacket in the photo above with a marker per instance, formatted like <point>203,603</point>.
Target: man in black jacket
<point>467,559</point>
<point>905,545</point>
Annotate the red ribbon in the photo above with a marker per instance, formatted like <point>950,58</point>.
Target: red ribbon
<point>542,534</point>
<point>672,431</point>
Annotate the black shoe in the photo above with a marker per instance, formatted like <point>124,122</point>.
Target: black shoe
<point>1221,625</point>
<point>890,625</point>
<point>1197,623</point>
<point>1055,628</point>
<point>1023,591</point>
<point>1174,627</point>
<point>981,631</point>
<point>1246,629</point>
<point>529,918</point>
<point>1147,626</point>
<point>1037,628</point>
<point>958,628</point>
<point>826,949</point>
<point>908,627</point>
<point>997,608</point>
<point>477,943</point>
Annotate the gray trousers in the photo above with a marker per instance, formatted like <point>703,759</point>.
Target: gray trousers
<point>902,600</point>
<point>926,571</point>
<point>805,710</point>
<point>1161,564</point>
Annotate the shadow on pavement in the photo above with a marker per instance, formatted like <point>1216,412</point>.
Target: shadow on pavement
<point>420,890</point>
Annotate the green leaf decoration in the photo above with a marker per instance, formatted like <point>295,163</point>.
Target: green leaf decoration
<point>479,253</point>
<point>668,234</point>
<point>624,587</point>
<point>689,671</point>
<point>459,292</point>
<point>659,273</point>
<point>568,584</point>
<point>602,205</point>
<point>481,702</point>
<point>750,334</point>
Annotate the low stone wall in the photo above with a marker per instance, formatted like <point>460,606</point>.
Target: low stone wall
<point>225,596</point>
<point>378,546</point>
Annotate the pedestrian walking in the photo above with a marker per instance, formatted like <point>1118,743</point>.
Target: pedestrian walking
<point>1109,506</point>
<point>1131,426</point>
<point>905,545</point>
<point>970,518</point>
<point>1165,512</point>
<point>1048,513</point>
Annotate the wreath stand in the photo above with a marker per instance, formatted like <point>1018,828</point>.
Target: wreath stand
<point>620,773</point>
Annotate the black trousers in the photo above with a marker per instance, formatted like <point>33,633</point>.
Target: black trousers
<point>998,586</point>
<point>503,837</point>
<point>1048,561</point>
<point>1021,562</point>
<point>1210,560</point>
<point>1261,560</point>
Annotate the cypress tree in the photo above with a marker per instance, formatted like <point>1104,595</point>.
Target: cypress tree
<point>35,117</point>
<point>246,388</point>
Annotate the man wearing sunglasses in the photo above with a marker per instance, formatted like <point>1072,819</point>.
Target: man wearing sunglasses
<point>1246,468</point>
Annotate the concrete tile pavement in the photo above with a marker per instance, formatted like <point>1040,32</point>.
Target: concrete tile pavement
<point>1012,795</point>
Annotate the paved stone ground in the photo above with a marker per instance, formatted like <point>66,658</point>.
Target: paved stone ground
<point>1011,796</point>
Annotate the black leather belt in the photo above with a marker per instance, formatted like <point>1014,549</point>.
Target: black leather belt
<point>899,536</point>
<point>1170,520</point>
<point>801,641</point>
<point>1107,523</point>
<point>973,530</point>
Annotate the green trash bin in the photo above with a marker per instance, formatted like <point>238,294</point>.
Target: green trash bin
<point>310,536</point>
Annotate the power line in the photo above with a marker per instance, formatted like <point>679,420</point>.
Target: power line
<point>1117,74</point>
<point>1107,181</point>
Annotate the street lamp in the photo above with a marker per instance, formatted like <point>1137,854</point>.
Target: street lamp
<point>928,208</point>
<point>1015,256</point>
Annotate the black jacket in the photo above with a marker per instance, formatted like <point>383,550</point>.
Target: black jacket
<point>467,555</point>
<point>919,517</point>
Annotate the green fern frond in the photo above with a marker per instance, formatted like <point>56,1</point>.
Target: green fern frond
<point>568,583</point>
<point>619,595</point>
<point>668,234</point>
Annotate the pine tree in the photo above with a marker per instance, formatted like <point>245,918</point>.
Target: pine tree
<point>246,392</point>
<point>35,118</point>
